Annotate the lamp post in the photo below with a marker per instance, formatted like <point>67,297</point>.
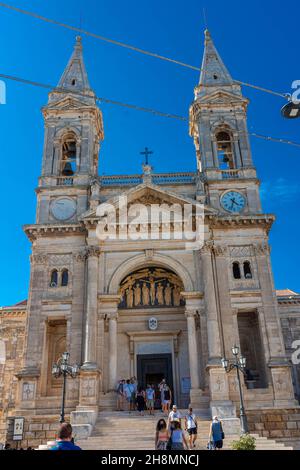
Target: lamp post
<point>62,367</point>
<point>239,363</point>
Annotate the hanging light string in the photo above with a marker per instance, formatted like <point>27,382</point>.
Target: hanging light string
<point>130,106</point>
<point>128,46</point>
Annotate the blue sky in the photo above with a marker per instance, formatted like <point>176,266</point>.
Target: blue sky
<point>257,44</point>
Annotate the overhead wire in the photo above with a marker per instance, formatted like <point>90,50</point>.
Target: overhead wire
<point>131,106</point>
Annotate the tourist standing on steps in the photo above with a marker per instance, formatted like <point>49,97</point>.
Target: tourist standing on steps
<point>127,393</point>
<point>174,415</point>
<point>150,392</point>
<point>161,386</point>
<point>216,434</point>
<point>140,400</point>
<point>191,426</point>
<point>166,398</point>
<point>162,435</point>
<point>133,389</point>
<point>120,395</point>
<point>178,440</point>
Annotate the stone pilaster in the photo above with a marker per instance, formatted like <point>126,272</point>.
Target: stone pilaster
<point>193,306</point>
<point>90,355</point>
<point>109,308</point>
<point>220,403</point>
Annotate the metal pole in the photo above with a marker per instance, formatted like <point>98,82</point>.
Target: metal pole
<point>243,417</point>
<point>62,414</point>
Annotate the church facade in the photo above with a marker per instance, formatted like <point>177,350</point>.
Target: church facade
<point>146,305</point>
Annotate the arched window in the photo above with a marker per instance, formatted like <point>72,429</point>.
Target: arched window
<point>64,277</point>
<point>225,150</point>
<point>54,278</point>
<point>68,164</point>
<point>247,270</point>
<point>236,270</point>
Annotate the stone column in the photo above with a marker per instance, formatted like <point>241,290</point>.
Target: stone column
<point>275,354</point>
<point>193,349</point>
<point>113,355</point>
<point>109,307</point>
<point>193,305</point>
<point>220,403</point>
<point>90,361</point>
<point>213,331</point>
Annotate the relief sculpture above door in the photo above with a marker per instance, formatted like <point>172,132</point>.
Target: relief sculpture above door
<point>151,287</point>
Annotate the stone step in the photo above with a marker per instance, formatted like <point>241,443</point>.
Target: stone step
<point>125,431</point>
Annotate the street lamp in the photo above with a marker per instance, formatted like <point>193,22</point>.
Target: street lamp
<point>239,363</point>
<point>62,367</point>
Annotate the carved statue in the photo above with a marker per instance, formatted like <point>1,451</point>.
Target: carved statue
<point>145,294</point>
<point>168,294</point>
<point>129,297</point>
<point>137,295</point>
<point>160,294</point>
<point>176,296</point>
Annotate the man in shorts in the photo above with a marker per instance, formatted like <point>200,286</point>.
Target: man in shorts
<point>150,399</point>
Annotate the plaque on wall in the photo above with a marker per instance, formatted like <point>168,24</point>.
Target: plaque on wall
<point>153,323</point>
<point>185,385</point>
<point>18,429</point>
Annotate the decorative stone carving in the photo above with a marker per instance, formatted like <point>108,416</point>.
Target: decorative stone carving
<point>262,248</point>
<point>28,391</point>
<point>93,251</point>
<point>241,251</point>
<point>80,256</point>
<point>151,287</point>
<point>89,387</point>
<point>39,259</point>
<point>59,259</point>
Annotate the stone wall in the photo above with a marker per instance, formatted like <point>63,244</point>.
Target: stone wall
<point>275,424</point>
<point>37,430</point>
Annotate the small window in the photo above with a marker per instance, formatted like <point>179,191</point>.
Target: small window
<point>225,150</point>
<point>247,270</point>
<point>64,278</point>
<point>236,270</point>
<point>54,278</point>
<point>73,82</point>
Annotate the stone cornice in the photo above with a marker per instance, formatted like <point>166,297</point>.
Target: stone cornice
<point>265,220</point>
<point>36,231</point>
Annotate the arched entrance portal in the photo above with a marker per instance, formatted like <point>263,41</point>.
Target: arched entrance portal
<point>153,310</point>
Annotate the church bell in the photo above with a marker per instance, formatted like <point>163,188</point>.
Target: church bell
<point>67,170</point>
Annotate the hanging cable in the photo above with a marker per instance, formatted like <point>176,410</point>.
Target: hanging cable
<point>131,106</point>
<point>128,46</point>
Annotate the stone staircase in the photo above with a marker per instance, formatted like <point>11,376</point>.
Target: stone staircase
<point>127,431</point>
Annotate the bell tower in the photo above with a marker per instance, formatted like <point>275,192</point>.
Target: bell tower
<point>218,124</point>
<point>73,133</point>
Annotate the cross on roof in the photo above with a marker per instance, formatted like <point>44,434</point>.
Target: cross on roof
<point>146,152</point>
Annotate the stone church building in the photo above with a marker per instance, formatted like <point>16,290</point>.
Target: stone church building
<point>140,306</point>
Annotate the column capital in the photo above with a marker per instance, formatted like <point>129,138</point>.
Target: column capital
<point>93,251</point>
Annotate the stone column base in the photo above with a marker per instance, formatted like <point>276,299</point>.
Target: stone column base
<point>89,388</point>
<point>83,421</point>
<point>223,409</point>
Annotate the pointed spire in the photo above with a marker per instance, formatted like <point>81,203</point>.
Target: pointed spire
<point>75,75</point>
<point>213,70</point>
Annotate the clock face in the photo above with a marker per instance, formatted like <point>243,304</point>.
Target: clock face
<point>63,208</point>
<point>232,201</point>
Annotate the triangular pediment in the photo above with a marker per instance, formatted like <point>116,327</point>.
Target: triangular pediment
<point>67,103</point>
<point>222,97</point>
<point>148,194</point>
